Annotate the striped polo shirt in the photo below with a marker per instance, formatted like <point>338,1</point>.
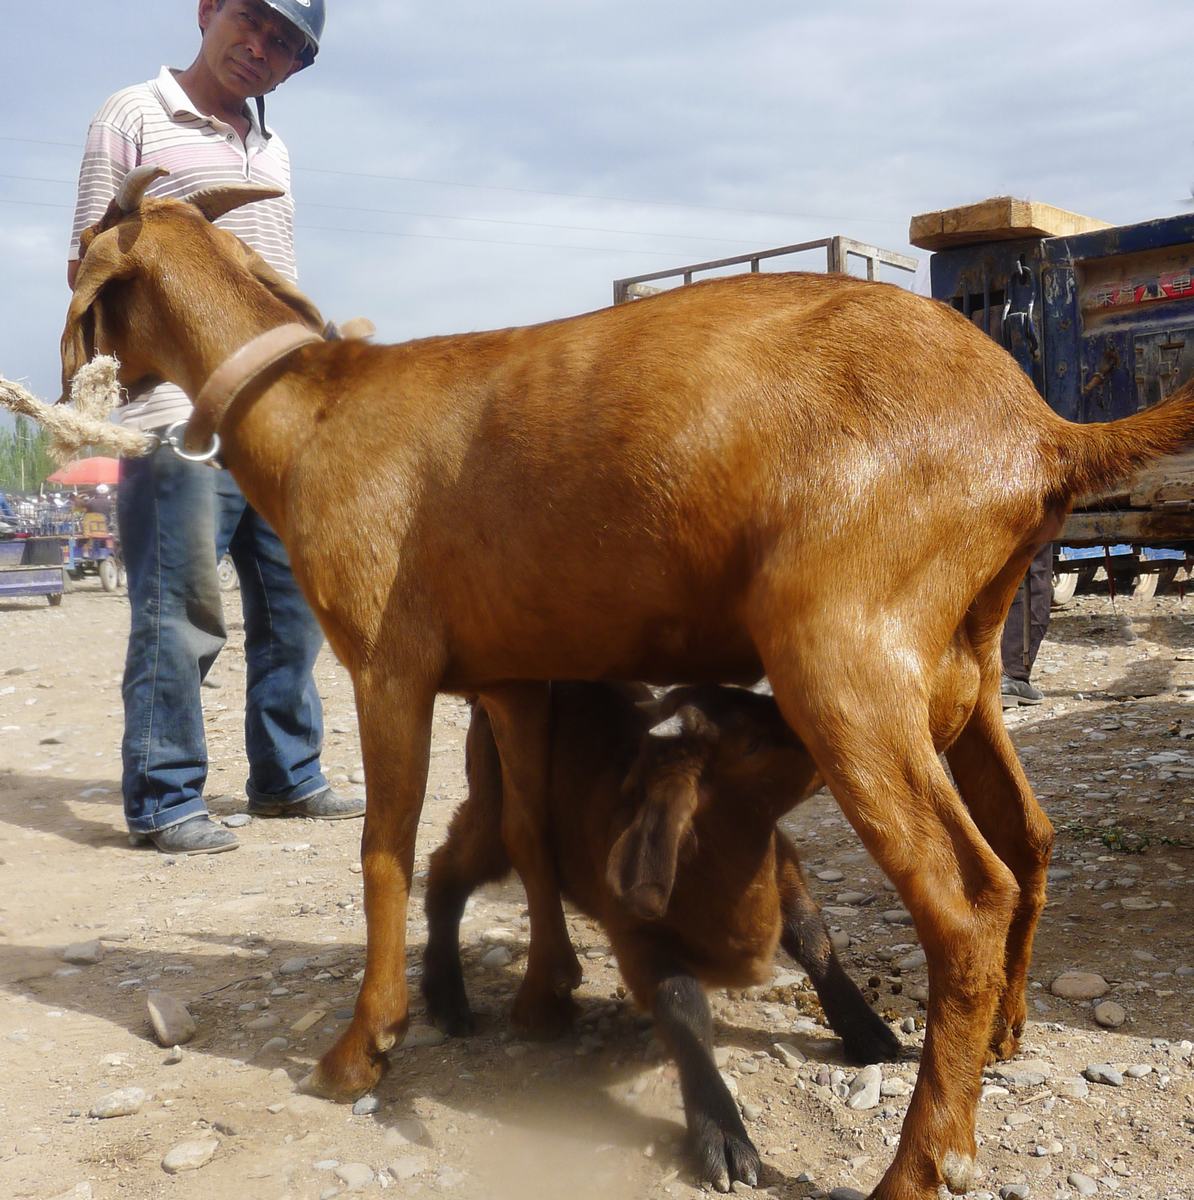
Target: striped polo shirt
<point>157,123</point>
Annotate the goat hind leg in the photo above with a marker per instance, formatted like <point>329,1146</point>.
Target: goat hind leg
<point>395,721</point>
<point>520,715</point>
<point>472,854</point>
<point>1000,799</point>
<point>880,763</point>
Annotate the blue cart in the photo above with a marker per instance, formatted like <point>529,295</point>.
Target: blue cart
<point>32,566</point>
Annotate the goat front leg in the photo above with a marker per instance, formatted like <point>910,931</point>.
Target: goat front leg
<point>520,715</point>
<point>866,1037</point>
<point>717,1138</point>
<point>395,714</point>
<point>1000,799</point>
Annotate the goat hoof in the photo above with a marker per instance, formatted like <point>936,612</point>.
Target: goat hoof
<point>1005,1042</point>
<point>959,1172</point>
<point>871,1042</point>
<point>725,1157</point>
<point>340,1081</point>
<point>543,1016</point>
<point>452,1020</point>
<point>448,1007</point>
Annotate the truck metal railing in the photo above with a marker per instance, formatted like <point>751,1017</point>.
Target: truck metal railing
<point>838,252</point>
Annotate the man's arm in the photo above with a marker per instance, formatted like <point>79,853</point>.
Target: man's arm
<point>72,271</point>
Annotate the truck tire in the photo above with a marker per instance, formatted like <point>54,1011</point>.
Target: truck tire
<point>226,574</point>
<point>108,574</point>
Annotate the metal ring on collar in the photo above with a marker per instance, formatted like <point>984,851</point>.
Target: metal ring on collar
<point>173,437</point>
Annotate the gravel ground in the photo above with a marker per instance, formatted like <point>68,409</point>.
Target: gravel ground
<point>264,947</point>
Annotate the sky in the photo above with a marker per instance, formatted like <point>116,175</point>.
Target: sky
<point>472,164</point>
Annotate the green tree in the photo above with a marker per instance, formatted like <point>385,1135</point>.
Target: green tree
<point>24,458</point>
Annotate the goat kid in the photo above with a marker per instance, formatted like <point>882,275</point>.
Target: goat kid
<point>670,843</point>
<point>675,490</point>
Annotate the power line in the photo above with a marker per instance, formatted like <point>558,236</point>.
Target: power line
<point>493,187</point>
<point>433,237</point>
<point>401,212</point>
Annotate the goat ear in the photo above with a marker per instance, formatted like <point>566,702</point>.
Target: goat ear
<point>282,288</point>
<point>103,263</point>
<point>641,871</point>
<point>214,202</point>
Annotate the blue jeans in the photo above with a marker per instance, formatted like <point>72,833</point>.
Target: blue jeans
<point>177,519</point>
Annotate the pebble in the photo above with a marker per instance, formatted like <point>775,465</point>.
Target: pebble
<point>84,954</point>
<point>172,1022</point>
<point>237,820</point>
<point>81,1191</point>
<point>496,957</point>
<point>1138,1071</point>
<point>911,961</point>
<point>408,1132</point>
<point>422,1035</point>
<point>1109,1014</point>
<point>1082,1184</point>
<point>897,916</point>
<point>1104,1073</point>
<point>908,1025</point>
<point>831,875</point>
<point>275,1045</point>
<point>1072,1089</point>
<point>1014,1191</point>
<point>366,1106</point>
<point>190,1156</point>
<point>124,1102</point>
<point>174,1057</point>
<point>846,1193</point>
<point>895,1087</point>
<point>1026,1074</point>
<point>293,966</point>
<point>865,1087</point>
<point>839,939</point>
<point>789,1055</point>
<point>1079,985</point>
<point>406,1168</point>
<point>355,1176</point>
<point>265,1021</point>
<point>751,1112</point>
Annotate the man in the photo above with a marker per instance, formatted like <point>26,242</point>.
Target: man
<point>1019,645</point>
<point>178,518</point>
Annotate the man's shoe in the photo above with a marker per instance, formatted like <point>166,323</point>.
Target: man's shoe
<point>198,835</point>
<point>1013,692</point>
<point>320,806</point>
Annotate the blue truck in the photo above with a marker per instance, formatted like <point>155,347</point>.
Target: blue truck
<point>1102,319</point>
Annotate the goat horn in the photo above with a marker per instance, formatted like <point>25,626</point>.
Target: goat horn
<point>214,202</point>
<point>132,190</point>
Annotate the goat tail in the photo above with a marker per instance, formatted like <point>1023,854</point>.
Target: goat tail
<point>1094,458</point>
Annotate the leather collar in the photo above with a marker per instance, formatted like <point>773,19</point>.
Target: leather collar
<point>236,372</point>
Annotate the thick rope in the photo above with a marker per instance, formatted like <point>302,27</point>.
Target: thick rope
<point>94,393</point>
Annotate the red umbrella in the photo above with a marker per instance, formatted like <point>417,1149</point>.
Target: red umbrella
<point>87,472</point>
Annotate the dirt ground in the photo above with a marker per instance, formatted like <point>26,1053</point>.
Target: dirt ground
<point>265,946</point>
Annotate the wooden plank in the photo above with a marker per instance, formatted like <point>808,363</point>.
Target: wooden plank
<point>1001,218</point>
<point>1157,525</point>
<point>1165,483</point>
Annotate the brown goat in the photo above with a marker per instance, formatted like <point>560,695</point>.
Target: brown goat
<point>670,843</point>
<point>676,490</point>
